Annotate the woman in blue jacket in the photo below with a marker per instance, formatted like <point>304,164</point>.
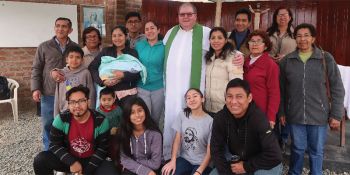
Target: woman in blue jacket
<point>151,55</point>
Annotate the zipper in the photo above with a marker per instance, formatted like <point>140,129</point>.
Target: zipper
<point>210,92</point>
<point>304,92</point>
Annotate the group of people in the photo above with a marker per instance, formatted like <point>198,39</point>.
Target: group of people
<point>229,101</point>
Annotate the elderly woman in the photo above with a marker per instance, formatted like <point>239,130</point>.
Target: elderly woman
<point>262,74</point>
<point>92,44</point>
<point>304,101</point>
<point>281,33</point>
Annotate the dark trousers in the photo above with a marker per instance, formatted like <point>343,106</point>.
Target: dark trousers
<point>45,162</point>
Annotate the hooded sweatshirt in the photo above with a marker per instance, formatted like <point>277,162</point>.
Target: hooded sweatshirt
<point>73,78</point>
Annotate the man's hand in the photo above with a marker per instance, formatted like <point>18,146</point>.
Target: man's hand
<point>272,124</point>
<point>334,124</point>
<point>238,60</point>
<point>76,168</point>
<point>238,168</point>
<point>57,76</point>
<point>283,120</point>
<point>36,95</point>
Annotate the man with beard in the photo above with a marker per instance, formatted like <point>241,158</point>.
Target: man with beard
<point>78,139</point>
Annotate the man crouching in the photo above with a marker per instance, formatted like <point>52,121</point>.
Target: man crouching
<point>246,134</point>
<point>78,139</point>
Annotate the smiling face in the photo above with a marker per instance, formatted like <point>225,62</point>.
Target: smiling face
<point>62,29</point>
<point>241,22</point>
<point>217,41</point>
<point>194,100</point>
<point>118,38</point>
<point>237,101</point>
<point>283,17</point>
<point>74,60</point>
<point>151,31</point>
<point>137,116</point>
<point>187,17</point>
<point>304,40</point>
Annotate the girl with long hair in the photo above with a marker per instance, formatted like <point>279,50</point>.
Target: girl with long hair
<point>193,131</point>
<point>141,140</point>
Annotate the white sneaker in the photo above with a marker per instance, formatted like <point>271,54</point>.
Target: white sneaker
<point>60,173</point>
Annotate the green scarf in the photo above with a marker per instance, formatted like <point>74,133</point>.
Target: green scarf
<point>196,63</point>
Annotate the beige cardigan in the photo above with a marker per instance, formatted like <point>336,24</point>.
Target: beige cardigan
<point>218,73</point>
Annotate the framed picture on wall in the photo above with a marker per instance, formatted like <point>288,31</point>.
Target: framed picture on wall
<point>94,16</point>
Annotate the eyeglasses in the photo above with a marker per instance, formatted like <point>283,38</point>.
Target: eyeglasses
<point>303,36</point>
<point>77,102</point>
<point>133,21</point>
<point>182,15</point>
<point>257,42</point>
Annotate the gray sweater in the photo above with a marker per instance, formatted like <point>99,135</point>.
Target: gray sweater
<point>146,153</point>
<point>47,57</point>
<point>303,89</point>
<point>80,76</point>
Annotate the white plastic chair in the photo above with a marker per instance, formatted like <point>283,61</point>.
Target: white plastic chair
<point>13,86</point>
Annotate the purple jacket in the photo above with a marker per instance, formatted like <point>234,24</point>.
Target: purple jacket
<point>146,153</point>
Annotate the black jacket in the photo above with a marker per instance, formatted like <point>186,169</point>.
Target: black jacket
<point>250,137</point>
<point>130,79</point>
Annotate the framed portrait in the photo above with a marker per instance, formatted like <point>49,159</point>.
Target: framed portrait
<point>94,16</point>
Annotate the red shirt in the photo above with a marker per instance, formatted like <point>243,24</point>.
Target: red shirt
<point>81,136</point>
<point>263,78</point>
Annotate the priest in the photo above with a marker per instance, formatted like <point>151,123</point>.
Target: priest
<point>185,47</point>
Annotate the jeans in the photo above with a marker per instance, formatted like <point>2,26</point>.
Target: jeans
<point>312,138</point>
<point>47,107</point>
<point>277,170</point>
<point>45,162</point>
<point>184,167</point>
<point>155,101</point>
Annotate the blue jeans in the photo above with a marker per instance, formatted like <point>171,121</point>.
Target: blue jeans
<point>277,170</point>
<point>47,105</point>
<point>184,167</point>
<point>312,138</point>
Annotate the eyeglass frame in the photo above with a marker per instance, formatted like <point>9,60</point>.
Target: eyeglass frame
<point>189,15</point>
<point>77,102</point>
<point>257,43</point>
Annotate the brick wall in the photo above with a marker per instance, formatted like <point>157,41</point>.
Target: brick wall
<point>16,63</point>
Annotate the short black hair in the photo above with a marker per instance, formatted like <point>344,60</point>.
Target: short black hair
<point>311,28</point>
<point>244,11</point>
<point>79,88</point>
<point>65,19</point>
<point>71,49</point>
<point>89,30</point>
<point>132,14</point>
<point>107,91</point>
<point>237,82</point>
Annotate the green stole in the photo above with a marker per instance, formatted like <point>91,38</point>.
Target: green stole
<point>196,63</point>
